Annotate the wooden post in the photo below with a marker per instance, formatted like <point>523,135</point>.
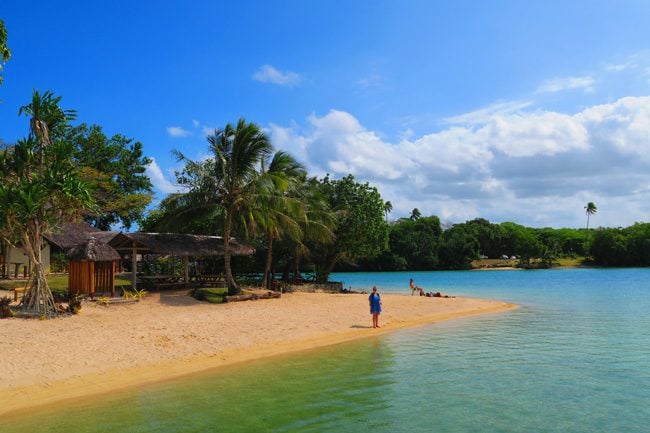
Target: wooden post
<point>186,263</point>
<point>112,276</point>
<point>134,265</point>
<point>91,275</point>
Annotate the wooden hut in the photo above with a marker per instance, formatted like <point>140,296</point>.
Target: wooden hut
<point>92,268</point>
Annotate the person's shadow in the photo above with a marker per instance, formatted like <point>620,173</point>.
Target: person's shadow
<point>360,326</point>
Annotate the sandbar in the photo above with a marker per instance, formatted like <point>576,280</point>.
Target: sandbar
<point>169,334</point>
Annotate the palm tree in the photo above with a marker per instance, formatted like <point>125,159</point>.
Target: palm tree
<point>229,179</point>
<point>415,214</point>
<point>388,208</point>
<point>278,206</point>
<point>590,209</point>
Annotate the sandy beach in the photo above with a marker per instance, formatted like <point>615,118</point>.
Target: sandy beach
<point>169,334</point>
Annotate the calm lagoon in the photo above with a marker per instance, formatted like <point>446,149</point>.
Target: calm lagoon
<point>574,358</point>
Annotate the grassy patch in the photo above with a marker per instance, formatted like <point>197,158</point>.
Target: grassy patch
<point>494,263</point>
<point>213,295</point>
<point>569,262</point>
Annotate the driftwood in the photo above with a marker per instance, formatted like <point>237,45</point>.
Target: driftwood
<point>237,298</point>
<point>253,296</point>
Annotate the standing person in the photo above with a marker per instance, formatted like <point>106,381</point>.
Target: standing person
<point>375,306</point>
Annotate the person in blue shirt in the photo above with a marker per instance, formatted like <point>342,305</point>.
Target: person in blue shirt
<point>375,306</point>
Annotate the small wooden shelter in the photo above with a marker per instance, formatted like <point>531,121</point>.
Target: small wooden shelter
<point>92,268</point>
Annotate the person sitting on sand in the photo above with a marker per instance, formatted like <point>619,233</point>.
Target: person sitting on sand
<point>375,306</point>
<point>415,288</point>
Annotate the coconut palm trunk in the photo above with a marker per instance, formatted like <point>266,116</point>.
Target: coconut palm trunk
<point>233,287</point>
<point>269,260</point>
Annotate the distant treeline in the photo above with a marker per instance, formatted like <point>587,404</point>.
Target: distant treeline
<point>420,243</point>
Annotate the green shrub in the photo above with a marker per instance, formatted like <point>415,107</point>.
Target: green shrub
<point>5,311</point>
<point>210,294</point>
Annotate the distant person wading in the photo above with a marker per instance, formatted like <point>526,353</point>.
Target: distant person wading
<point>375,306</point>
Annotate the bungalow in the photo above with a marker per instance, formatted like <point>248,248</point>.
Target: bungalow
<point>14,261</point>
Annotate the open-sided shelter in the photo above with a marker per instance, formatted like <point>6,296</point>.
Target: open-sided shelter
<point>177,245</point>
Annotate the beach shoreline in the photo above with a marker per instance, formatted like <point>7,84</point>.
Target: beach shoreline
<point>170,335</point>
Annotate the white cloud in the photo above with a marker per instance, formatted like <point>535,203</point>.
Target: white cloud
<point>269,74</point>
<point>544,133</point>
<point>207,130</point>
<point>532,167</point>
<point>567,83</point>
<point>177,131</point>
<point>373,80</point>
<point>159,181</point>
<point>619,67</point>
<point>196,123</point>
<point>484,114</point>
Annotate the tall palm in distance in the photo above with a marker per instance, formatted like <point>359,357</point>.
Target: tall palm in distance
<point>590,209</point>
<point>388,208</point>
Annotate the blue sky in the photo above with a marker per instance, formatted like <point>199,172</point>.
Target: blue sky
<point>511,111</point>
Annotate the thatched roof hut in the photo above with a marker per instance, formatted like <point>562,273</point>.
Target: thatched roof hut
<point>177,244</point>
<point>92,267</point>
<point>93,251</point>
<point>74,234</point>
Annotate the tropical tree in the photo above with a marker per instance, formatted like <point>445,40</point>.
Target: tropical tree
<point>278,208</point>
<point>360,230</point>
<point>116,169</point>
<point>415,214</point>
<point>590,210</point>
<point>388,208</point>
<point>229,178</point>
<point>5,53</point>
<point>41,188</point>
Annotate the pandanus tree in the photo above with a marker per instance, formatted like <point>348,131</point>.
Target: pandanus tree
<point>41,189</point>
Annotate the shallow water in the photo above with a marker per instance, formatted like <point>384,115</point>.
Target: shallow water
<point>574,358</point>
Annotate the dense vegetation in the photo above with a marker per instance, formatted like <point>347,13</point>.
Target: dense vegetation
<point>422,244</point>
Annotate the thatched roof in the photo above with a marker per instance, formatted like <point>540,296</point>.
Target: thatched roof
<point>177,244</point>
<point>93,251</point>
<point>74,234</point>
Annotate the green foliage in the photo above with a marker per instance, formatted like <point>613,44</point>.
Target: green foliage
<point>136,294</point>
<point>211,295</point>
<point>416,242</point>
<point>41,189</point>
<point>115,168</point>
<point>229,180</point>
<point>5,53</point>
<point>74,303</point>
<point>360,230</point>
<point>628,246</point>
<point>5,310</point>
<point>459,248</point>
<point>58,262</point>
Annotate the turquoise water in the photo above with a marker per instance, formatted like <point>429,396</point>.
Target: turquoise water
<point>574,358</point>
